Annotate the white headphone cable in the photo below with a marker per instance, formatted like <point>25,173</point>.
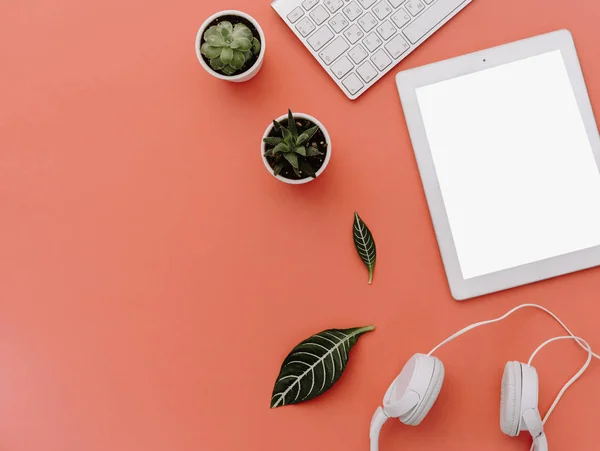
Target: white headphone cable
<point>495,320</point>
<point>571,381</point>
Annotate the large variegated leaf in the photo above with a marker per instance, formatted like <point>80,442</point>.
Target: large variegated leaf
<point>314,365</point>
<point>364,243</point>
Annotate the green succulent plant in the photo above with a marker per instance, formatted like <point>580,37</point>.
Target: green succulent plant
<point>293,148</point>
<point>229,47</point>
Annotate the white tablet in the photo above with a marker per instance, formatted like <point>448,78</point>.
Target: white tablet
<point>508,150</point>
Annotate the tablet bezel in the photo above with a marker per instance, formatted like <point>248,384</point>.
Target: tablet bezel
<point>407,83</point>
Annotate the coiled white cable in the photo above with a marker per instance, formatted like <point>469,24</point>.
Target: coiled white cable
<point>500,318</point>
<point>571,381</point>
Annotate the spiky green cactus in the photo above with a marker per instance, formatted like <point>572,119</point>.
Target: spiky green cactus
<point>229,47</point>
<point>293,148</point>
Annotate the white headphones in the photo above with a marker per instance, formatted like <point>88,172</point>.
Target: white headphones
<point>414,391</point>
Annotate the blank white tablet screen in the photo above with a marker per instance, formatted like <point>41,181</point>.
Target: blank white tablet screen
<point>514,163</point>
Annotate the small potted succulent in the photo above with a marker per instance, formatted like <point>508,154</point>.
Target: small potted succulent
<point>296,148</point>
<point>230,45</point>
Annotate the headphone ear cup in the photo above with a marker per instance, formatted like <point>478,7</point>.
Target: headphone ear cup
<point>511,399</point>
<point>430,397</point>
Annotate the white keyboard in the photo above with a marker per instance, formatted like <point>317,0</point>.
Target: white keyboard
<point>358,41</point>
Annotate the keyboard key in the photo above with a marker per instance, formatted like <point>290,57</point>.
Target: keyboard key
<point>414,6</point>
<point>353,34</point>
<point>319,15</point>
<point>401,18</point>
<point>366,3</point>
<point>386,30</point>
<point>341,67</point>
<point>305,26</point>
<point>367,72</point>
<point>338,23</point>
<point>367,22</point>
<point>382,9</point>
<point>334,50</point>
<point>397,47</point>
<point>396,3</point>
<point>296,14</point>
<point>353,84</point>
<point>381,59</point>
<point>309,4</point>
<point>333,5</point>
<point>358,54</point>
<point>429,2</point>
<point>320,38</point>
<point>431,19</point>
<point>372,41</point>
<point>352,11</point>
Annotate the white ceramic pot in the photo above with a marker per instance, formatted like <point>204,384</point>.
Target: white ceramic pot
<point>252,71</point>
<point>323,166</point>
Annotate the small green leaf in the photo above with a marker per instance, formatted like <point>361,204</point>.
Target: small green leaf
<point>209,51</point>
<point>238,60</point>
<point>216,64</point>
<point>304,137</point>
<point>300,150</point>
<point>278,167</point>
<point>312,151</point>
<point>276,127</point>
<point>216,41</point>
<point>292,124</point>
<point>241,31</point>
<point>247,55</point>
<point>212,31</point>
<point>226,28</point>
<point>365,245</point>
<point>226,55</point>
<point>269,152</point>
<point>292,158</point>
<point>290,143</point>
<point>228,70</point>
<point>255,46</point>
<point>315,365</point>
<point>242,44</point>
<point>273,140</point>
<point>307,168</point>
<point>287,135</point>
<point>281,147</point>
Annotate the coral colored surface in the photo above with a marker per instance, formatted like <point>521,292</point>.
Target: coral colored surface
<point>153,275</point>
